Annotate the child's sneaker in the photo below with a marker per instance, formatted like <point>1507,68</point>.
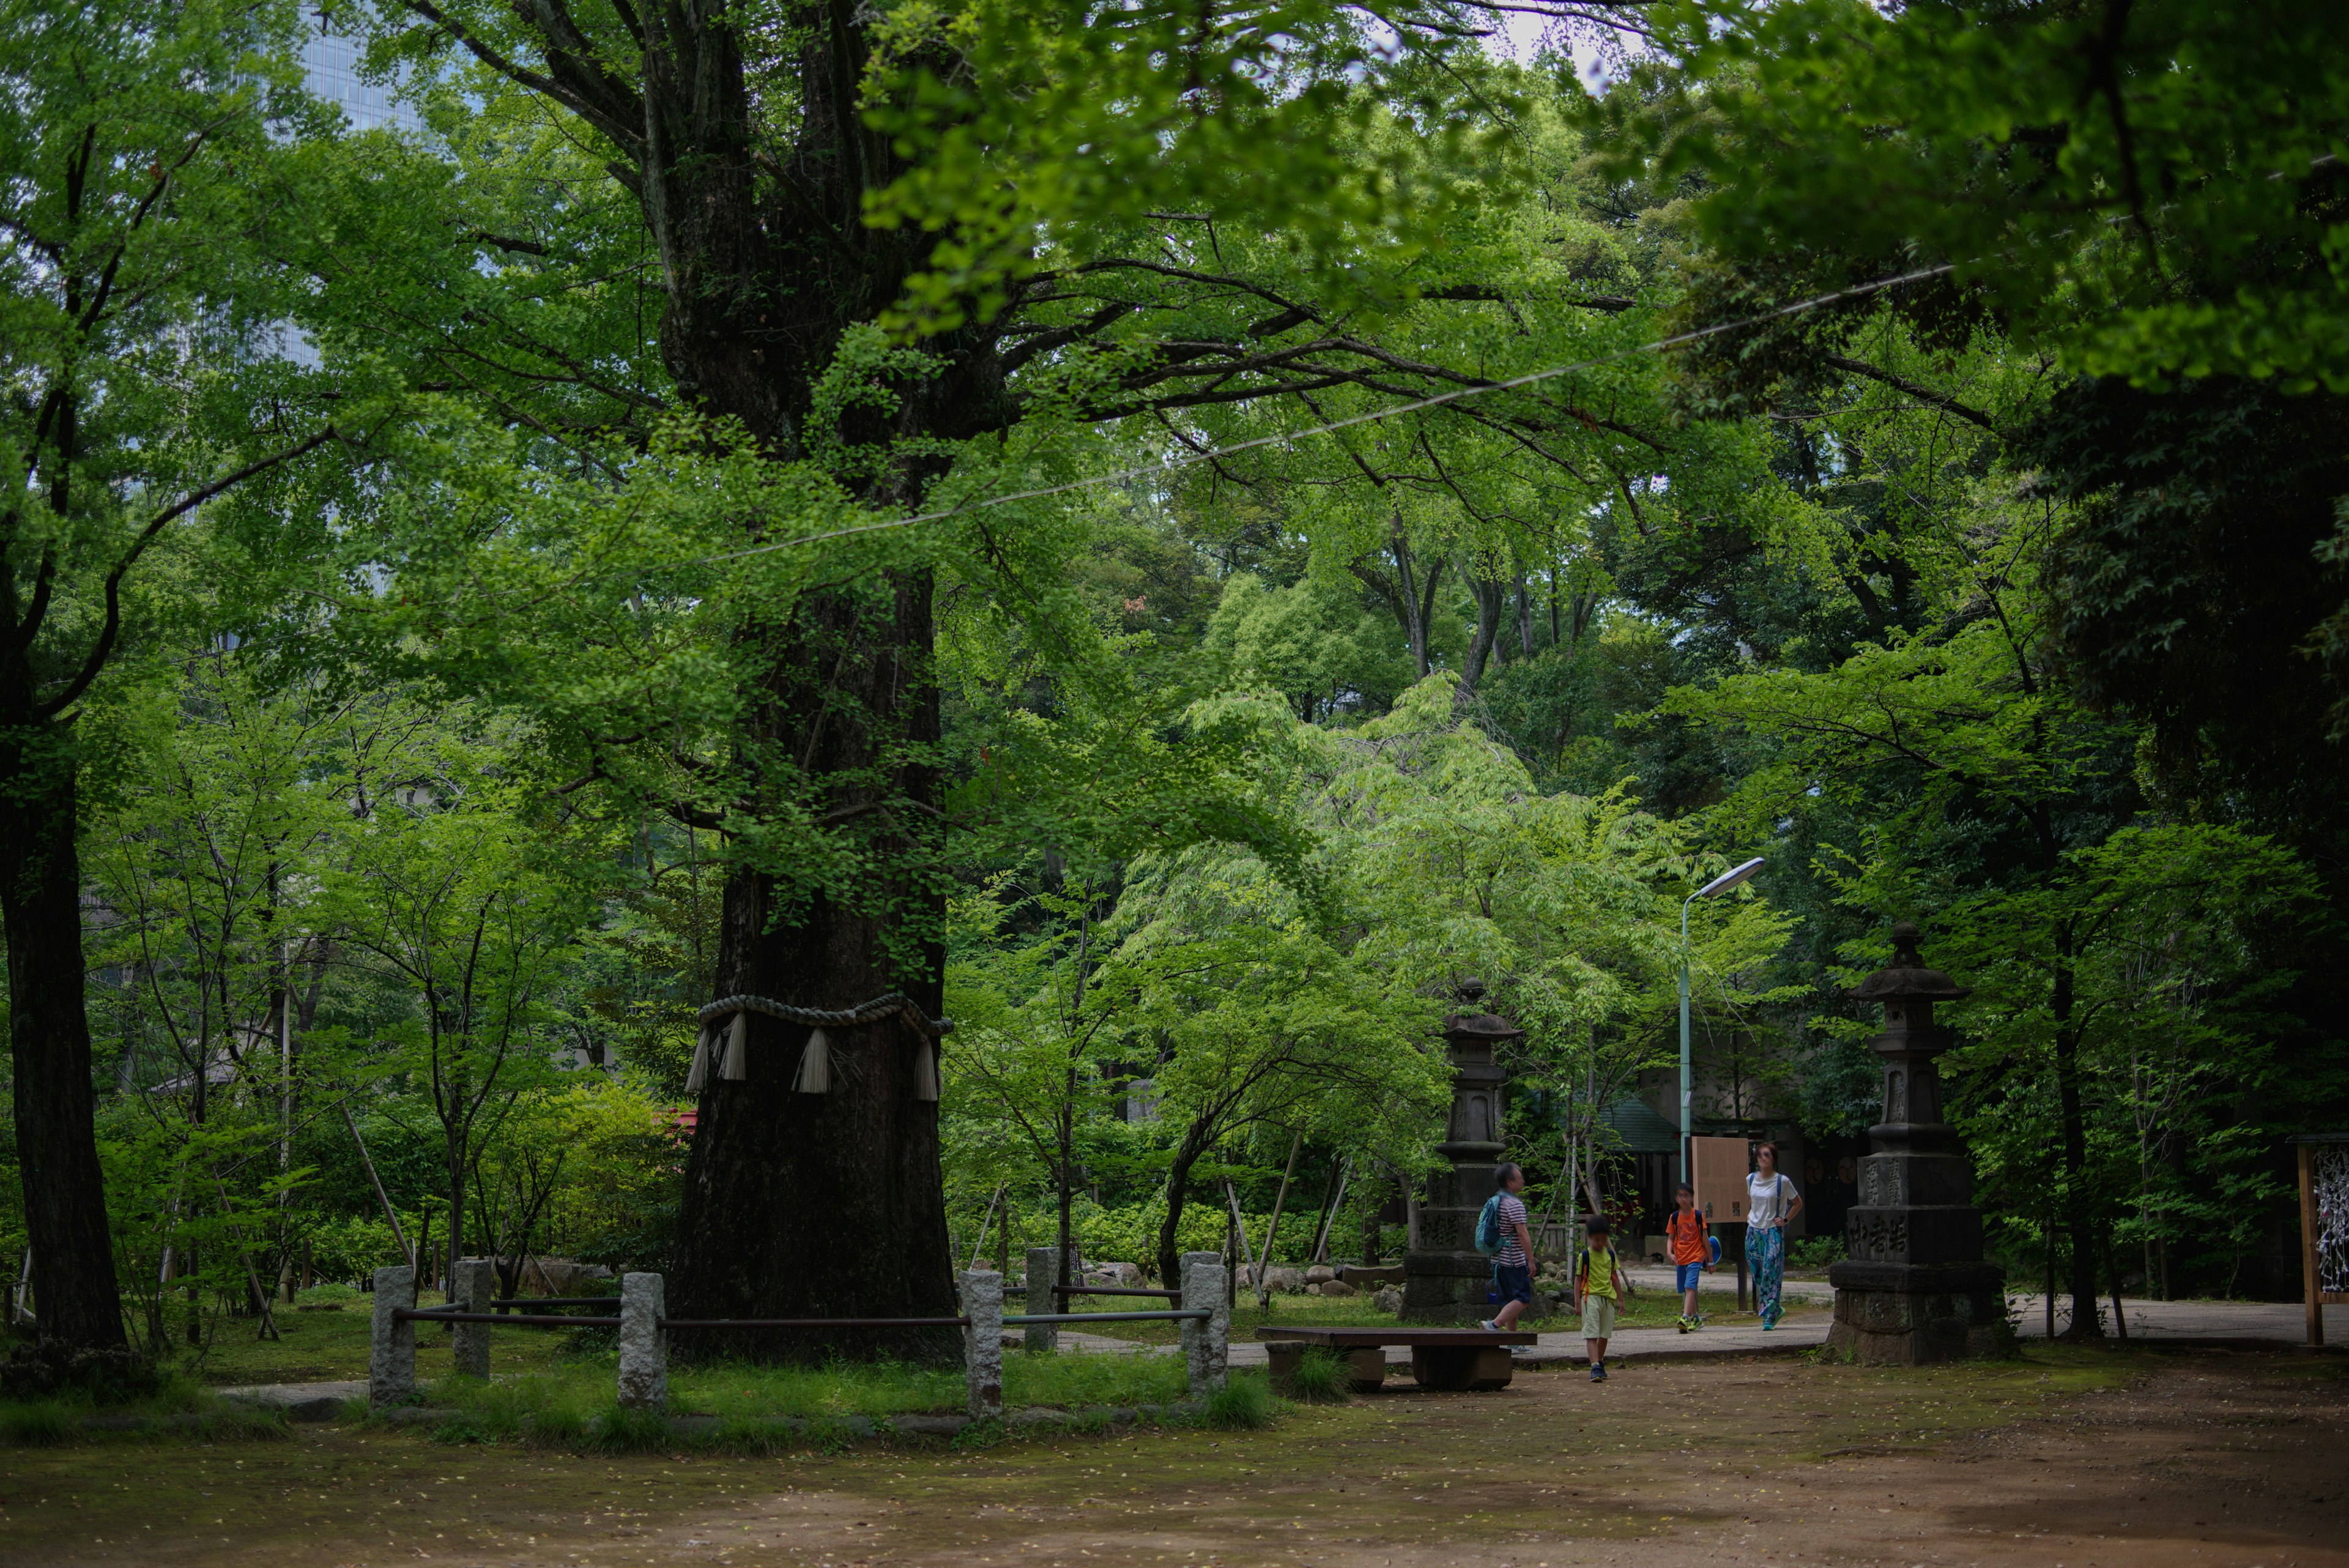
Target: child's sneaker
<point>1683,1324</point>
<point>1489,1326</point>
<point>1597,1373</point>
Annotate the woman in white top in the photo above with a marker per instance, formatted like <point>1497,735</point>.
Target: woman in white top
<point>1770,1201</point>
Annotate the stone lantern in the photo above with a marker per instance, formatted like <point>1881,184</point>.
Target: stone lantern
<point>1444,1276</point>
<point>1913,1288</point>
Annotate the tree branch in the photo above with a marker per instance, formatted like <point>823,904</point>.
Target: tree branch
<point>1916,390</point>
<point>104,648</point>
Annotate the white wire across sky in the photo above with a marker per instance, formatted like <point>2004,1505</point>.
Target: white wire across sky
<point>1178,460</point>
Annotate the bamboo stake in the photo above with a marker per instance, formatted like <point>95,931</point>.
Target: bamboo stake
<point>377,1182</point>
<point>252,1275</point>
<point>1321,1245</point>
<point>1272,1227</point>
<point>981,1246</point>
<point>1239,1226</point>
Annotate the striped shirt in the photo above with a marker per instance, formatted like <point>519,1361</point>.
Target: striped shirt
<point>1513,1214</point>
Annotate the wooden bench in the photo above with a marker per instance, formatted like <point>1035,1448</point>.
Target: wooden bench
<point>1441,1358</point>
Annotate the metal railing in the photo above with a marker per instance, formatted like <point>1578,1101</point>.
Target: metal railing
<point>548,1320</point>
<point>1177,1316</point>
<point>512,1319</point>
<point>1065,1291</point>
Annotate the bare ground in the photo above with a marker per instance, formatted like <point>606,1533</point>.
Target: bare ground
<point>2071,1459</point>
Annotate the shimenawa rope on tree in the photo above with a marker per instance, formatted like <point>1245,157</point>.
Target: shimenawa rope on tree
<point>814,1075</point>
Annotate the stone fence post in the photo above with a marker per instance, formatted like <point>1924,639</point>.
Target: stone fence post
<point>1043,1273</point>
<point>982,1343</point>
<point>1206,1346</point>
<point>392,1360</point>
<point>470,1285</point>
<point>643,1345</point>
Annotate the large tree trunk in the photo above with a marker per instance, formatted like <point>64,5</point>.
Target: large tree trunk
<point>797,1205</point>
<point>48,1037</point>
<point>831,1205</point>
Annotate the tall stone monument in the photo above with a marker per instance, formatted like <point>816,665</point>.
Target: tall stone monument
<point>1914,1288</point>
<point>1443,1275</point>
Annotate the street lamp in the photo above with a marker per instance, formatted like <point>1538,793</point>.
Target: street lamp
<point>1721,884</point>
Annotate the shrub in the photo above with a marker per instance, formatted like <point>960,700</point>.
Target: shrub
<point>350,1246</point>
<point>1815,1251</point>
<point>37,1371</point>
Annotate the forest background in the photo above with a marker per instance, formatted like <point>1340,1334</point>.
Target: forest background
<point>1415,514</point>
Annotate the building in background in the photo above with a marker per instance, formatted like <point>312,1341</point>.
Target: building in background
<point>331,65</point>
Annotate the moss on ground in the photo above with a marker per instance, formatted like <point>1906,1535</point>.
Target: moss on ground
<point>1470,1473</point>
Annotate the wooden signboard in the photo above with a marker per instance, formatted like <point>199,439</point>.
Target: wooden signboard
<point>1718,1168</point>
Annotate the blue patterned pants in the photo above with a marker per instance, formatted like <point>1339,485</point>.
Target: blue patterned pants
<point>1766,1254</point>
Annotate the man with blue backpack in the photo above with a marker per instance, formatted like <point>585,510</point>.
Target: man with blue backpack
<point>1504,1234</point>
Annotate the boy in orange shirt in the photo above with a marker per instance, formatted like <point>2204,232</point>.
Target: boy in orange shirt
<point>1692,1252</point>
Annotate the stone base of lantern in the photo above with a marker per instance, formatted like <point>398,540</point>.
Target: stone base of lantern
<point>1446,1287</point>
<point>1914,1314</point>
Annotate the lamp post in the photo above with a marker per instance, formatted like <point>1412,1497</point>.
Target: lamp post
<point>1721,884</point>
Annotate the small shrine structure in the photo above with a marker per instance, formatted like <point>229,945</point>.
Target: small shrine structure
<point>1445,1277</point>
<point>2323,1225</point>
<point>1913,1288</point>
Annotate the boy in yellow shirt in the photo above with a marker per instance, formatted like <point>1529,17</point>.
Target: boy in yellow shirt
<point>1597,1277</point>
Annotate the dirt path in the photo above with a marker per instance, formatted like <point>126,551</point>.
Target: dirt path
<point>2078,1459</point>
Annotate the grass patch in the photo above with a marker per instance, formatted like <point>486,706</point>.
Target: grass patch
<point>38,1423</point>
<point>880,1389</point>
<point>872,1389</point>
<point>332,1346</point>
<point>618,1431</point>
<point>177,1406</point>
<point>572,1404</point>
<point>1244,1404</point>
<point>1321,1379</point>
<point>1072,1382</point>
<point>334,1294</point>
<point>557,1407</point>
